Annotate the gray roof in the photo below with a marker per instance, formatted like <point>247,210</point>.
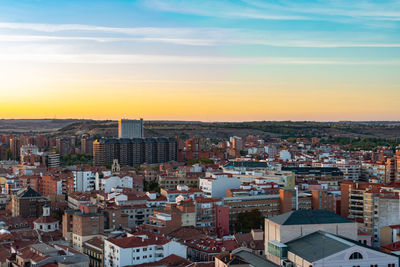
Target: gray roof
<point>254,259</point>
<point>28,192</point>
<point>317,245</point>
<point>299,217</point>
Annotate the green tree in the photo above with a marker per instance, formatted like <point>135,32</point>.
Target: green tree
<point>249,220</point>
<point>200,160</point>
<point>151,186</point>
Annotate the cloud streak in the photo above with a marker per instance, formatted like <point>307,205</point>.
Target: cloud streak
<point>179,36</point>
<point>163,59</point>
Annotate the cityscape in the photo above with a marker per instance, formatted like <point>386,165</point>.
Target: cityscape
<point>212,133</point>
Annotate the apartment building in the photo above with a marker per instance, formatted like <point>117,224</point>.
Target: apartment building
<point>216,185</point>
<point>81,225</point>
<point>140,248</point>
<point>134,151</point>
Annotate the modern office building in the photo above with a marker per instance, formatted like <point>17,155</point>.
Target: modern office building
<point>130,128</point>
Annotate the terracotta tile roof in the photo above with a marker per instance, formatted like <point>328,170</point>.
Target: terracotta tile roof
<point>171,260</point>
<point>137,241</point>
<point>46,219</point>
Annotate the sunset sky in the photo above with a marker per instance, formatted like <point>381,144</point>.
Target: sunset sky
<point>200,60</point>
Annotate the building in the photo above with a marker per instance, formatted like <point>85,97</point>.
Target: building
<point>140,248</point>
<point>324,249</point>
<point>28,203</point>
<point>94,248</point>
<point>87,146</point>
<point>130,128</point>
<point>63,145</point>
<point>323,199</point>
<point>82,225</point>
<point>242,257</point>
<point>106,184</point>
<point>52,159</point>
<point>46,223</point>
<point>253,241</point>
<point>134,151</point>
<point>380,209</point>
<point>15,147</point>
<point>84,180</point>
<point>316,173</point>
<point>268,205</point>
<point>171,182</point>
<point>217,185</point>
<point>43,254</point>
<point>291,225</point>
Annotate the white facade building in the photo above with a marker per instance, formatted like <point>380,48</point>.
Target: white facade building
<point>216,185</point>
<point>140,248</point>
<point>84,180</point>
<point>108,183</point>
<point>130,128</point>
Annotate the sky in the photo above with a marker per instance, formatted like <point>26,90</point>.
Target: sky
<point>203,60</point>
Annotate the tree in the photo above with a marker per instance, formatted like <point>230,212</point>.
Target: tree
<point>151,186</point>
<point>249,220</point>
<point>200,160</point>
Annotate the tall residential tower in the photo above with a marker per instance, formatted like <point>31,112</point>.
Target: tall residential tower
<point>130,128</point>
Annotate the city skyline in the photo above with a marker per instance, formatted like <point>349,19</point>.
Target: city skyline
<point>218,61</point>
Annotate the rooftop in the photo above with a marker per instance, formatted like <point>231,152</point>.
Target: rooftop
<point>300,217</point>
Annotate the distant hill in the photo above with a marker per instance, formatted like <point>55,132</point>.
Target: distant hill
<point>215,130</point>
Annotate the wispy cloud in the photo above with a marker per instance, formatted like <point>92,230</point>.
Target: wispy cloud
<point>180,36</point>
<point>288,10</point>
<point>164,59</point>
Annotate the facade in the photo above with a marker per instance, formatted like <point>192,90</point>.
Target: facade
<point>380,210</point>
<point>134,151</point>
<point>81,225</point>
<point>217,185</point>
<point>84,180</point>
<point>94,248</point>
<point>140,248</point>
<point>46,223</point>
<point>325,200</point>
<point>268,205</point>
<point>107,183</point>
<point>28,203</point>
<point>130,128</point>
<point>323,249</point>
<point>316,173</point>
<point>291,225</point>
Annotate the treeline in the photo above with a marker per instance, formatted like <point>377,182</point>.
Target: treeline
<point>366,143</point>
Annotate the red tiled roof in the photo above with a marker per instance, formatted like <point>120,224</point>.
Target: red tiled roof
<point>171,260</point>
<point>137,241</point>
<point>46,219</point>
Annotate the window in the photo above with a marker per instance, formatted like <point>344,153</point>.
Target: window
<point>356,256</point>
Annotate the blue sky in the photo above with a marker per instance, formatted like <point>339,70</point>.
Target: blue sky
<point>259,47</point>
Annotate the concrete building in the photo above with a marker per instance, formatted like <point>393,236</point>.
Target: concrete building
<point>324,249</point>
<point>130,128</point>
<point>106,184</point>
<point>216,185</point>
<point>84,180</point>
<point>134,151</point>
<point>292,225</point>
<point>380,210</point>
